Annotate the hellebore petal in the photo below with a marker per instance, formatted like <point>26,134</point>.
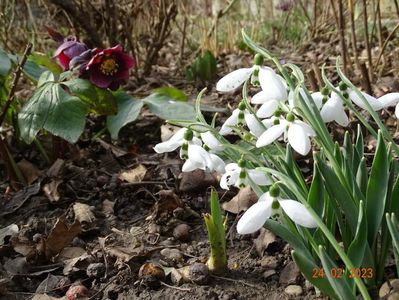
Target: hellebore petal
<point>231,121</point>
<point>211,141</point>
<point>68,50</point>
<point>375,104</point>
<point>389,99</point>
<point>259,177</point>
<point>267,109</point>
<point>255,217</point>
<point>270,135</point>
<point>298,213</point>
<point>253,124</point>
<point>233,80</point>
<point>299,139</point>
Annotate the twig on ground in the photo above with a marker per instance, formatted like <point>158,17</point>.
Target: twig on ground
<point>236,280</point>
<point>175,287</point>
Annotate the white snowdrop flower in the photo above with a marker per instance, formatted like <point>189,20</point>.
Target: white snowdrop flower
<point>239,117</point>
<point>391,99</point>
<point>374,102</point>
<point>235,79</point>
<point>211,141</point>
<point>274,90</point>
<point>175,142</point>
<point>270,205</point>
<point>333,110</point>
<point>297,132</point>
<point>239,176</point>
<point>317,98</point>
<point>199,158</point>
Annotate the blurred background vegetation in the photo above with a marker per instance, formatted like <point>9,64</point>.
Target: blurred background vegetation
<point>173,35</point>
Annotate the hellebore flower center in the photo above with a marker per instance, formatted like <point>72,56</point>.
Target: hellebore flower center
<point>109,66</point>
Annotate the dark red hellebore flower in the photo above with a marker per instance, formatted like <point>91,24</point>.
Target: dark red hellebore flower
<point>108,68</point>
<point>69,49</point>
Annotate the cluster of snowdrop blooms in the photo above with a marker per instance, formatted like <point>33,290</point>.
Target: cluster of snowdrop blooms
<point>273,116</point>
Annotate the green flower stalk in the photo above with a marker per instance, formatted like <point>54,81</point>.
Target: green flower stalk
<point>217,261</point>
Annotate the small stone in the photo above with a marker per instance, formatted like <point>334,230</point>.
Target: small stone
<point>199,273</point>
<point>77,291</point>
<point>289,274</point>
<point>95,270</point>
<point>172,255</point>
<point>293,290</point>
<point>78,242</point>
<point>386,288</point>
<point>182,232</point>
<point>154,228</point>
<point>268,273</point>
<point>176,277</point>
<point>102,180</point>
<point>269,262</point>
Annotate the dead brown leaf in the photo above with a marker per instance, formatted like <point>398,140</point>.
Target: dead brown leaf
<point>56,168</point>
<point>83,213</point>
<point>242,201</point>
<point>196,181</point>
<point>29,170</point>
<point>8,231</point>
<point>60,236</point>
<point>167,131</point>
<point>134,175</point>
<point>168,202</point>
<point>118,152</point>
<point>264,240</point>
<point>108,208</point>
<point>51,190</point>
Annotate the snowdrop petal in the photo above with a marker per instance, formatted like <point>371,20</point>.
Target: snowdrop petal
<point>259,177</point>
<point>270,135</point>
<point>231,121</point>
<point>178,136</point>
<point>267,109</point>
<point>390,99</point>
<point>299,139</point>
<point>217,164</point>
<point>306,127</point>
<point>375,104</point>
<point>167,146</point>
<point>233,80</point>
<point>254,125</point>
<point>232,167</point>
<point>254,218</point>
<point>298,213</point>
<point>318,99</point>
<point>198,154</point>
<point>260,98</point>
<point>272,84</point>
<point>228,178</point>
<point>211,141</point>
<point>333,110</point>
<point>191,165</point>
<point>315,96</point>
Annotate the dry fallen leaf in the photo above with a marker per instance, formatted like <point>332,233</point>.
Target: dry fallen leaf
<point>167,131</point>
<point>60,236</point>
<point>134,175</point>
<point>197,180</point>
<point>108,208</point>
<point>264,240</point>
<point>83,213</point>
<point>242,201</point>
<point>29,170</point>
<point>51,190</point>
<point>7,232</point>
<point>168,202</point>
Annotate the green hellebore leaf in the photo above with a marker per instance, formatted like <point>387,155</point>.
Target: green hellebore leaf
<point>171,92</point>
<point>31,69</point>
<point>5,63</point>
<point>100,101</point>
<point>53,109</point>
<point>43,60</point>
<point>167,108</point>
<point>128,110</point>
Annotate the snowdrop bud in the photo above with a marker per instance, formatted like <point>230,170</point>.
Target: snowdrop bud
<point>188,135</point>
<point>278,112</point>
<point>274,191</point>
<point>276,121</point>
<point>258,60</point>
<point>325,91</point>
<point>275,204</point>
<point>241,163</point>
<point>290,117</point>
<point>241,106</point>
<point>343,86</point>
